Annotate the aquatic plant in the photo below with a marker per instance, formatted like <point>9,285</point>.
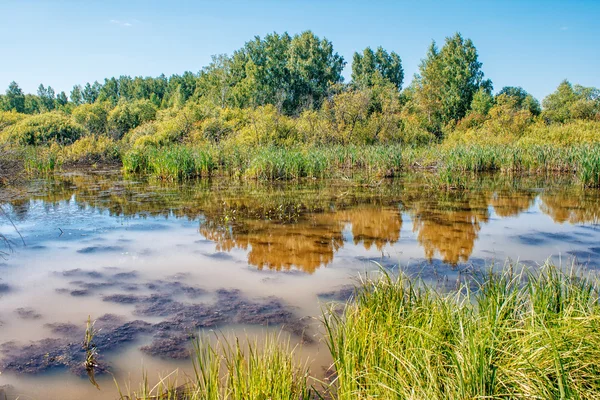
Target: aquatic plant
<point>228,370</point>
<point>91,352</point>
<point>525,334</point>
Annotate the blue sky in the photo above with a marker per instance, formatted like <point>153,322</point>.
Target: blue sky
<point>533,44</point>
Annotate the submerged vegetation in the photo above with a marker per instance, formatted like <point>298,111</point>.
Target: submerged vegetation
<point>513,333</point>
<point>278,109</point>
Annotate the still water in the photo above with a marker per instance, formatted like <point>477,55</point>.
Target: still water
<point>154,263</point>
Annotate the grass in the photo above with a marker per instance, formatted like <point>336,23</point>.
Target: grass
<point>229,370</point>
<point>451,163</point>
<point>513,333</point>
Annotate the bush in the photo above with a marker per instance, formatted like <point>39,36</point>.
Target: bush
<point>127,116</point>
<point>92,149</point>
<point>44,129</point>
<point>94,117</point>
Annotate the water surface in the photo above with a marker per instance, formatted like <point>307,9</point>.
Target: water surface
<point>156,262</point>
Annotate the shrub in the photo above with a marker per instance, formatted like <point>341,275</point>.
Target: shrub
<point>93,117</point>
<point>44,129</point>
<point>92,149</point>
<point>127,116</point>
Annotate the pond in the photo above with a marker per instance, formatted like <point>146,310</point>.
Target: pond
<point>154,262</point>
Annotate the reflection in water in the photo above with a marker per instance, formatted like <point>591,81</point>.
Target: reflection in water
<point>510,203</point>
<point>302,226</point>
<point>449,223</point>
<point>576,207</point>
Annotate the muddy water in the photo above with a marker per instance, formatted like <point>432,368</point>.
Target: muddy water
<point>155,263</point>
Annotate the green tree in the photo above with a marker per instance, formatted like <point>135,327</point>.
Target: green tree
<point>447,81</point>
<point>129,115</point>
<point>91,92</point>
<point>76,96</point>
<point>15,99</point>
<point>215,81</point>
<point>572,102</point>
<point>93,117</point>
<point>482,102</point>
<point>314,67</point>
<point>369,65</point>
<point>109,91</point>
<point>61,99</point>
<point>33,105</point>
<point>47,97</point>
<point>291,73</point>
<point>523,100</point>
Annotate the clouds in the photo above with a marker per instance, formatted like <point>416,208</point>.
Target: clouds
<point>124,24</point>
<point>564,28</point>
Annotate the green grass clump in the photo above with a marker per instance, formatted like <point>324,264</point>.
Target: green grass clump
<point>515,335</point>
<point>589,166</point>
<point>172,163</point>
<point>233,371</point>
<point>42,160</point>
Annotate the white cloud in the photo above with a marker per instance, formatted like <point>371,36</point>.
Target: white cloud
<point>125,24</point>
<point>564,28</point>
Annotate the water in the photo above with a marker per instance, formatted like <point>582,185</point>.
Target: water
<point>242,258</point>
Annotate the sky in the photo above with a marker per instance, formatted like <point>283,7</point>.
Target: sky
<point>533,44</point>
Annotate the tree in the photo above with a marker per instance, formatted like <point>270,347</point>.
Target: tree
<point>482,102</point>
<point>572,102</point>
<point>33,105</point>
<point>448,80</point>
<point>15,99</point>
<point>91,92</point>
<point>314,68</point>
<point>62,99</point>
<point>109,91</point>
<point>522,99</point>
<point>46,96</point>
<point>215,81</point>
<point>76,96</point>
<point>369,65</point>
<point>291,73</point>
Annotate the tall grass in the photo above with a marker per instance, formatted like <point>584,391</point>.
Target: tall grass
<point>516,335</point>
<point>41,159</point>
<point>228,370</point>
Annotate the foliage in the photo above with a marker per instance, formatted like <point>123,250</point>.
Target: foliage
<point>448,80</point>
<point>229,370</point>
<point>45,128</point>
<point>570,102</point>
<point>93,117</point>
<point>129,115</point>
<point>371,66</point>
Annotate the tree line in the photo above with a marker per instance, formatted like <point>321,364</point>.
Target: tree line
<point>300,76</point>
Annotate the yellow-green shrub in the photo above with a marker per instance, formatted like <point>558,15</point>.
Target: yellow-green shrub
<point>93,117</point>
<point>127,116</point>
<point>266,126</point>
<point>572,133</point>
<point>92,149</point>
<point>44,129</point>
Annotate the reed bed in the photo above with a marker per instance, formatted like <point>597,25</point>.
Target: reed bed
<point>452,164</point>
<point>527,334</point>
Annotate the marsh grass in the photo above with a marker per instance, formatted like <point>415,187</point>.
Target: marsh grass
<point>42,160</point>
<point>91,352</point>
<point>515,334</point>
<point>230,370</point>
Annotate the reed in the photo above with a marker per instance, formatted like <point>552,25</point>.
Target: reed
<point>230,370</point>
<point>525,334</point>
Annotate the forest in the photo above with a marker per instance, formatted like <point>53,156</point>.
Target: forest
<point>278,108</point>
